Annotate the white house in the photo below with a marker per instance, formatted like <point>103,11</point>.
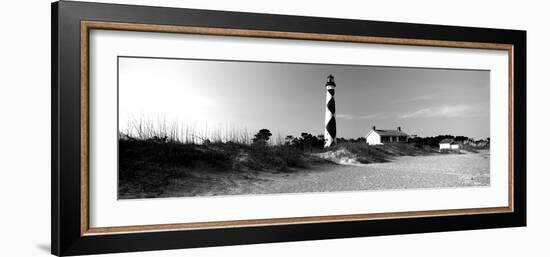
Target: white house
<point>381,136</point>
<point>448,144</point>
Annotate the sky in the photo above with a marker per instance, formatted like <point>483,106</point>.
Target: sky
<point>289,98</point>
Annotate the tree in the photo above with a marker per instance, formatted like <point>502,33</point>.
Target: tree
<point>262,137</point>
<point>461,138</point>
<point>289,139</point>
<point>307,141</point>
<point>319,141</point>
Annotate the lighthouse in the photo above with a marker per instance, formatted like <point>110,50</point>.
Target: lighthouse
<point>330,120</point>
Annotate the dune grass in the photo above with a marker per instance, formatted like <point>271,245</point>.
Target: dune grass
<point>150,165</point>
<point>187,133</point>
<point>361,152</point>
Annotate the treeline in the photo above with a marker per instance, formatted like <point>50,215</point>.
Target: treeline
<point>309,142</point>
<point>305,142</point>
<point>434,141</point>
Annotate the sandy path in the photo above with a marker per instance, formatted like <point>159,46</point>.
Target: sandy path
<point>454,170</point>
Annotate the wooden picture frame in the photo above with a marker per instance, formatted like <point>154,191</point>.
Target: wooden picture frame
<point>71,25</point>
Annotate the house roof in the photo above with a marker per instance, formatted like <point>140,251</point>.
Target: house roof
<point>447,141</point>
<point>384,132</point>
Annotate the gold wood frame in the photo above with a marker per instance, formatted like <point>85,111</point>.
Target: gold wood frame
<point>86,26</point>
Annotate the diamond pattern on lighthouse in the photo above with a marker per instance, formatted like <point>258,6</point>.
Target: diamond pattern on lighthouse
<point>330,119</point>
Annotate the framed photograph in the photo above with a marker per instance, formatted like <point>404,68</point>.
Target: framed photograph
<point>178,128</point>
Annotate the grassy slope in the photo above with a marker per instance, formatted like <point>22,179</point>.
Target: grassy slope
<point>150,165</point>
<point>364,153</point>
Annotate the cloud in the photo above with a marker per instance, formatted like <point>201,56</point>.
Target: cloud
<point>445,111</point>
<point>414,99</point>
<point>355,117</point>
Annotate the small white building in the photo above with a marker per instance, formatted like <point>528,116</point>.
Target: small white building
<point>448,144</point>
<point>381,136</point>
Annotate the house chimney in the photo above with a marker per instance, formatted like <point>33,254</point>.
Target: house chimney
<point>398,128</point>
<point>373,127</point>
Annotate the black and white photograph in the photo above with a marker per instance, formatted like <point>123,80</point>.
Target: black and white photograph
<point>274,128</point>
<point>197,127</point>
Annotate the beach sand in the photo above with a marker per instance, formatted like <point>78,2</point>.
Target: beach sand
<point>406,172</point>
